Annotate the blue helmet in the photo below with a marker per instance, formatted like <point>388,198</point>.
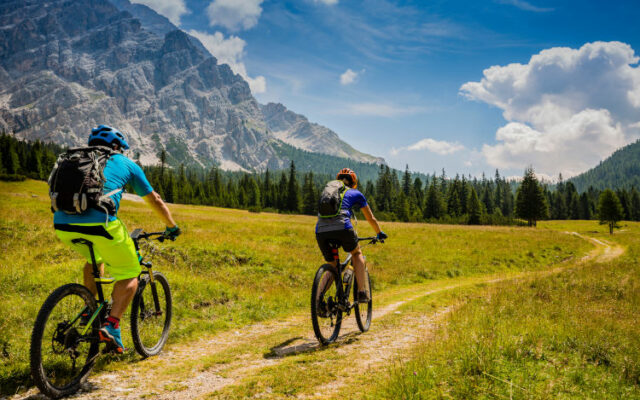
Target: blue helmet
<point>109,135</point>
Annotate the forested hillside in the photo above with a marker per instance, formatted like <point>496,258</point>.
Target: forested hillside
<point>620,170</point>
<point>393,195</point>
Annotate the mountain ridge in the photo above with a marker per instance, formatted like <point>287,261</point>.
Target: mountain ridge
<point>296,130</point>
<point>68,66</point>
<point>620,170</point>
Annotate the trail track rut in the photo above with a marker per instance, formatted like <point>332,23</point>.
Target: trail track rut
<point>198,374</point>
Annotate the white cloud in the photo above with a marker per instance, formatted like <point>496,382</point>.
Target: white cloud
<point>327,2</point>
<point>230,51</point>
<point>172,9</point>
<point>524,5</point>
<point>348,77</point>
<point>381,109</point>
<point>566,108</point>
<point>441,147</point>
<point>234,15</point>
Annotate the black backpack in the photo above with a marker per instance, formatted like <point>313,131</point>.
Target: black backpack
<point>77,180</point>
<point>330,203</point>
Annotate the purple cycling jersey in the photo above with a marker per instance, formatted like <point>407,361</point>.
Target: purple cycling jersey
<point>352,199</point>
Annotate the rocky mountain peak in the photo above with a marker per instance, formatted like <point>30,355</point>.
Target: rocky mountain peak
<point>67,66</point>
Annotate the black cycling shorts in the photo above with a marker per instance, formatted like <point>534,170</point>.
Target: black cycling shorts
<point>345,238</point>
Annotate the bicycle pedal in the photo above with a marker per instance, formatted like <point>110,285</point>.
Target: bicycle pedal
<point>111,348</point>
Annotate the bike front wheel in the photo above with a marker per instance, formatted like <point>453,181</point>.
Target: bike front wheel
<point>364,311</point>
<point>62,354</point>
<point>326,315</point>
<point>151,315</point>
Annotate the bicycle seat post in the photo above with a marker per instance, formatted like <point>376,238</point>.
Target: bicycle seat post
<point>96,272</point>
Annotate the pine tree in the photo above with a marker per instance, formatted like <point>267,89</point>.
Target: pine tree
<point>309,196</point>
<point>267,199</point>
<point>574,206</point>
<point>418,193</point>
<point>625,201</point>
<point>434,206</point>
<point>473,207</point>
<point>402,210</point>
<point>11,159</point>
<point>487,199</point>
<point>293,191</point>
<point>282,192</point>
<point>531,204</point>
<point>406,181</point>
<point>585,207</point>
<point>610,210</point>
<point>463,195</point>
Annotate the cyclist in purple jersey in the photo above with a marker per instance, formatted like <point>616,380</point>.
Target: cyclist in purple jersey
<point>339,229</point>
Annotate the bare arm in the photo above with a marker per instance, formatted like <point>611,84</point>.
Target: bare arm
<point>154,201</point>
<point>368,214</point>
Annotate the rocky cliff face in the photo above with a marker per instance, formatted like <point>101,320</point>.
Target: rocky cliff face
<point>66,66</point>
<point>296,130</point>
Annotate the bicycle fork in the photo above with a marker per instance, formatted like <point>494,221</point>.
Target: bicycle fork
<point>156,300</point>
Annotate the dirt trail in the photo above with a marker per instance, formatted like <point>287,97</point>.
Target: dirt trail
<point>198,374</point>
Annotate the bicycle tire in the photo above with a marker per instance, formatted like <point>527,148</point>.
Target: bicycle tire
<point>149,344</point>
<point>317,320</point>
<point>363,325</point>
<point>38,370</point>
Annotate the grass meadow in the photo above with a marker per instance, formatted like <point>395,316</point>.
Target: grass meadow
<point>572,335</point>
<point>231,268</point>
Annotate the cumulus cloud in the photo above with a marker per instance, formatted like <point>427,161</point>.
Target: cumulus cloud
<point>230,51</point>
<point>381,109</point>
<point>172,9</point>
<point>348,77</point>
<point>234,15</point>
<point>566,108</point>
<point>441,147</point>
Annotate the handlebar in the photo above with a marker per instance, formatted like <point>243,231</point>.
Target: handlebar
<point>140,234</point>
<point>371,239</point>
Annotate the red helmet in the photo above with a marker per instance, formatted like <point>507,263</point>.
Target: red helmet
<point>347,173</point>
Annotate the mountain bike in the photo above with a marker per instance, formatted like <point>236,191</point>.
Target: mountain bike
<point>330,297</point>
<point>65,342</point>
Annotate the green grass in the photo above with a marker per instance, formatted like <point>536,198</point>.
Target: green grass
<point>232,267</point>
<point>573,335</point>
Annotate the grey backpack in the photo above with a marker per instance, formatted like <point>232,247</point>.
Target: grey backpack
<point>330,203</point>
<point>77,180</point>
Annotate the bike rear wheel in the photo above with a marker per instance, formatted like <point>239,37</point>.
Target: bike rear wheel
<point>61,356</point>
<point>151,321</point>
<point>326,316</point>
<point>364,311</point>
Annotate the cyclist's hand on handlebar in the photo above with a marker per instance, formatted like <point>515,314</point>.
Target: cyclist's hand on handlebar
<point>382,236</point>
<point>172,233</point>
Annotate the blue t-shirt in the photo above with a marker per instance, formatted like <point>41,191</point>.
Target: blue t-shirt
<point>352,199</point>
<point>118,172</point>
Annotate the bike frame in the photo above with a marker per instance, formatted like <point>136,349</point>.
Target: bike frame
<point>103,305</point>
<point>346,289</point>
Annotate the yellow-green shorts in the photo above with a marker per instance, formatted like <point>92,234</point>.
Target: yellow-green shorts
<point>111,245</point>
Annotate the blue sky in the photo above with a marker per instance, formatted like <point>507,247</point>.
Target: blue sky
<point>404,79</point>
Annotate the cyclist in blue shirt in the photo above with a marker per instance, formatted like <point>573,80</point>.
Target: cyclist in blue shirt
<point>339,229</point>
<point>111,242</point>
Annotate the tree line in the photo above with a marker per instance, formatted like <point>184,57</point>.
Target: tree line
<point>393,195</point>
